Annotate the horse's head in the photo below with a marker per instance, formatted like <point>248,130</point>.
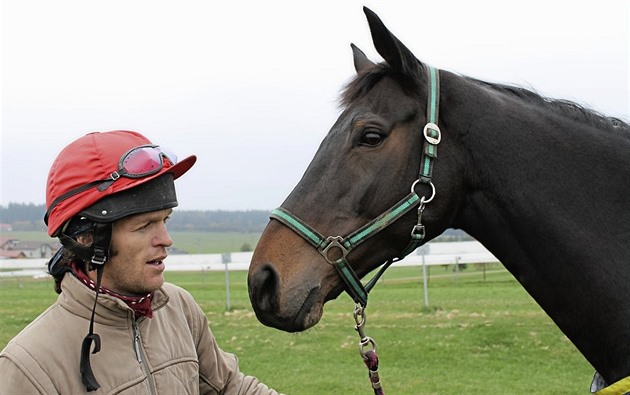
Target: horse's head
<point>367,164</point>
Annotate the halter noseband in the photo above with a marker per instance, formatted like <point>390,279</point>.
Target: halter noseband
<point>335,249</point>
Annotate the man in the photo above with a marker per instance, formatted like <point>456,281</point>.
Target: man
<point>109,196</point>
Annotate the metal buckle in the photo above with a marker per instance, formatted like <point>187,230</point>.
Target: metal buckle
<point>98,260</point>
<point>100,257</point>
<point>431,139</point>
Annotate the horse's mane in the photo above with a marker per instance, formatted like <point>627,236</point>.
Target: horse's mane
<point>562,107</point>
<point>365,81</point>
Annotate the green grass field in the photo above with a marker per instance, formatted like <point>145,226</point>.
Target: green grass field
<point>477,337</point>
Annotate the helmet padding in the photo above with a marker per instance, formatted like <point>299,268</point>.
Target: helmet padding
<point>156,194</point>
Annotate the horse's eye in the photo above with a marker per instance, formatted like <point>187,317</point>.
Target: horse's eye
<point>371,139</point>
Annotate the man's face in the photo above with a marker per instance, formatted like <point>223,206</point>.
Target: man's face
<point>138,250</point>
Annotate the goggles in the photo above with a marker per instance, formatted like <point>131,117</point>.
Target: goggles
<point>142,161</point>
<point>138,162</point>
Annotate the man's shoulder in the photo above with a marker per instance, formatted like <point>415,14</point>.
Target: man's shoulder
<point>39,328</point>
<point>177,293</point>
<point>172,289</point>
<point>43,336</point>
<point>180,301</point>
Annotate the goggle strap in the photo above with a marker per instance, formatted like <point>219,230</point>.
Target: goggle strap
<point>106,184</point>
<point>69,194</point>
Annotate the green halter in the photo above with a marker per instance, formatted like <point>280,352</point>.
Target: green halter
<point>335,249</point>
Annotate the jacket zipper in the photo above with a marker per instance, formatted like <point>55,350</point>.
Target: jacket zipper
<point>137,345</point>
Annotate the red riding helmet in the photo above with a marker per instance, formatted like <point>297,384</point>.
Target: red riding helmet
<point>101,165</point>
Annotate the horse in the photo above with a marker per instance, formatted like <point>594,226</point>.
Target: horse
<point>543,184</point>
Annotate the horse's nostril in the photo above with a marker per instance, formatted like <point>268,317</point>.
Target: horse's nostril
<point>264,289</point>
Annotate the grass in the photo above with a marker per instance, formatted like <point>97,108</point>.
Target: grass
<point>476,337</point>
<point>213,242</point>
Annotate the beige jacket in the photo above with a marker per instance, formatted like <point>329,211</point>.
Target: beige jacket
<point>172,353</point>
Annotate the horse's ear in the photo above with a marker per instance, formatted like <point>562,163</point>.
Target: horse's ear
<point>361,62</point>
<point>389,47</point>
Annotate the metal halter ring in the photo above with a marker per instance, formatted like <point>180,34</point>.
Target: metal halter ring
<point>422,199</point>
<point>431,139</point>
<point>366,341</point>
<point>333,242</point>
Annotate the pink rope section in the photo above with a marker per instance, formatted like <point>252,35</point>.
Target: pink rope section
<point>369,357</point>
<point>371,361</point>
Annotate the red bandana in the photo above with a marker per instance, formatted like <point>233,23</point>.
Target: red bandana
<point>141,305</point>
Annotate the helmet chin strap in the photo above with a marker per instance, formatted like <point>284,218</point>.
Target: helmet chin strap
<point>87,376</point>
<point>96,255</point>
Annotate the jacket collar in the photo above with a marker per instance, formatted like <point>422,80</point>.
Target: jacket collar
<point>79,299</point>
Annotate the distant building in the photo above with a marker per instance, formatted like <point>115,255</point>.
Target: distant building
<point>36,249</point>
<point>7,243</point>
<point>11,248</point>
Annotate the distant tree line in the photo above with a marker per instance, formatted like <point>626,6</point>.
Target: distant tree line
<point>26,217</point>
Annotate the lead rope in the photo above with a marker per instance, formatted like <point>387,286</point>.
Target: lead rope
<point>370,358</point>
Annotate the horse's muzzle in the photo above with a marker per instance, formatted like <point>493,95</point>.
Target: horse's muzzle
<point>264,294</point>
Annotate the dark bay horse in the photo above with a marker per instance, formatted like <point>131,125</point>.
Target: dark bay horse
<point>543,184</point>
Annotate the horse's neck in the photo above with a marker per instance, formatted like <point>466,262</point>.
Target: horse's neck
<point>549,202</point>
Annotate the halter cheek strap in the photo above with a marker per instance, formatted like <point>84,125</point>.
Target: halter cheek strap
<point>335,249</point>
<point>431,130</point>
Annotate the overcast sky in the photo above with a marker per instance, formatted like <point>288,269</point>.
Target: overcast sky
<point>251,87</point>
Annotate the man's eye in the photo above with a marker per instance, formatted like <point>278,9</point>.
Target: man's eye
<point>371,139</point>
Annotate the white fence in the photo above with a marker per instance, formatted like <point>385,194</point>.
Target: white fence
<point>432,253</point>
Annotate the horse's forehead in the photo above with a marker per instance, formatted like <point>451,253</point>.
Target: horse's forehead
<point>386,97</point>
